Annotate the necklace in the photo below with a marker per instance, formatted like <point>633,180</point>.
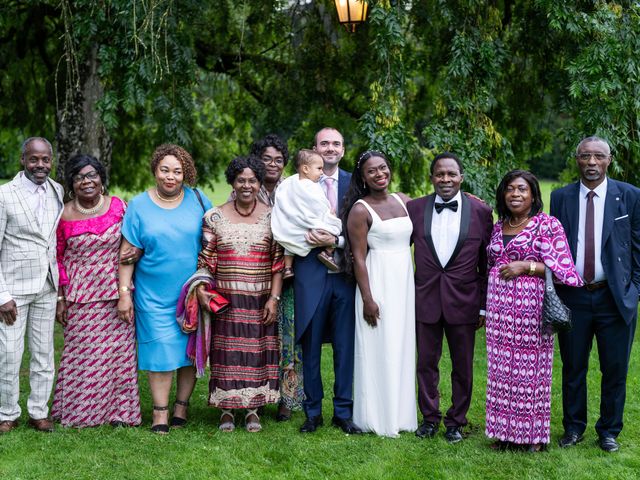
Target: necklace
<point>90,211</point>
<point>518,224</point>
<point>170,200</point>
<point>235,207</point>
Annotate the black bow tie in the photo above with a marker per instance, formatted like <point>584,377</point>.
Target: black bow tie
<point>453,206</point>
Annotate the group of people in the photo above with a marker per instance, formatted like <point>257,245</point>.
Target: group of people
<point>322,256</point>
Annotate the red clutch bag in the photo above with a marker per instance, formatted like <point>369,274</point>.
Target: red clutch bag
<point>217,303</point>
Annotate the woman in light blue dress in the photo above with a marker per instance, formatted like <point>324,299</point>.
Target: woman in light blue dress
<point>165,222</point>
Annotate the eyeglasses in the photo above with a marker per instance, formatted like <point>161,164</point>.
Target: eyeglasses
<point>587,156</point>
<point>92,175</point>
<point>279,161</point>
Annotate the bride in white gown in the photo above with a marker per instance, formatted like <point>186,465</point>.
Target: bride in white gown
<point>379,231</point>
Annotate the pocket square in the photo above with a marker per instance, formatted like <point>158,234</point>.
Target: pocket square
<point>620,218</point>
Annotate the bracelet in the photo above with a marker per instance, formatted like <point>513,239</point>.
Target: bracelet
<point>274,297</point>
<point>61,298</point>
<point>532,268</point>
<point>125,289</point>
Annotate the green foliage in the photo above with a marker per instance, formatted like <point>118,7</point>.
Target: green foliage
<point>147,69</point>
<point>9,142</point>
<point>27,74</point>
<point>603,75</point>
<point>468,87</point>
<point>383,124</point>
<point>503,84</point>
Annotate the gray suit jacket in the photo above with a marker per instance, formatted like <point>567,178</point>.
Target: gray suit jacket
<point>27,257</point>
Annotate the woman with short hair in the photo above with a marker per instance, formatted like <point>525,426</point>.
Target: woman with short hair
<point>165,223</point>
<point>97,378</point>
<point>239,252</point>
<point>524,242</point>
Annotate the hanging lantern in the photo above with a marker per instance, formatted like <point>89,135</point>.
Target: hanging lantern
<point>352,12</point>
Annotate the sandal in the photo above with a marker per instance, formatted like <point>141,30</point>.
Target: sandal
<point>178,422</point>
<point>327,261</point>
<point>287,273</point>
<point>254,426</point>
<point>229,425</point>
<point>160,428</point>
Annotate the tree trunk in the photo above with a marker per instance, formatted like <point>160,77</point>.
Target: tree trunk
<point>79,126</point>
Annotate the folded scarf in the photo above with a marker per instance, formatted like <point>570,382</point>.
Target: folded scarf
<point>196,321</point>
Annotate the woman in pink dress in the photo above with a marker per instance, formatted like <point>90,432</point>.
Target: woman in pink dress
<point>97,378</point>
<point>524,242</point>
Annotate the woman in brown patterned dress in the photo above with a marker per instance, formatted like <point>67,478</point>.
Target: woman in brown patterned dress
<point>238,250</point>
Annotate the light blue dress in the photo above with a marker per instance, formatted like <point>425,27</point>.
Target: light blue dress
<point>170,239</point>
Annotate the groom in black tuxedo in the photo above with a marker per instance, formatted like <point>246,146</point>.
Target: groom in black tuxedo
<point>451,231</point>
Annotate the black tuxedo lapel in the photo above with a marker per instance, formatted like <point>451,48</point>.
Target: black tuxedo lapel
<point>428,216</point>
<point>465,204</point>
<point>611,210</point>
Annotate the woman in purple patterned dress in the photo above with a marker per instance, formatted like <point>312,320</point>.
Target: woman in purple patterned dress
<point>97,378</point>
<point>519,355</point>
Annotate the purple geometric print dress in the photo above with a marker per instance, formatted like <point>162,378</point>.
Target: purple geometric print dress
<point>519,356</point>
<point>97,378</point>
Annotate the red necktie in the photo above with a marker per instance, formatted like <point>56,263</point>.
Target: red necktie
<point>589,241</point>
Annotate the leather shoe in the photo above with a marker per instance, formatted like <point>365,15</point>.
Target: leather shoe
<point>42,424</point>
<point>570,439</point>
<point>427,429</point>
<point>311,424</point>
<point>346,425</point>
<point>8,425</point>
<point>453,434</point>
<point>608,444</point>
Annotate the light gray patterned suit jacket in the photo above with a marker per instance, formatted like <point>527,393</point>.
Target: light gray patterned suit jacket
<point>27,256</point>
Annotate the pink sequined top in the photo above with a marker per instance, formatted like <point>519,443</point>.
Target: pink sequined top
<point>88,252</point>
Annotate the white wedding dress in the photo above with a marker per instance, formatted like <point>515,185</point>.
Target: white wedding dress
<point>384,400</point>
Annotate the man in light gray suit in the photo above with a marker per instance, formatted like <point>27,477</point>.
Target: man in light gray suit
<point>30,209</point>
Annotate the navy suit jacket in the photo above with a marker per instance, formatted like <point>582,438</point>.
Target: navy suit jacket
<point>310,274</point>
<point>457,290</point>
<point>620,253</point>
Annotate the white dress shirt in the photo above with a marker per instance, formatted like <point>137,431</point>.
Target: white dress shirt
<point>598,210</point>
<point>36,196</point>
<point>445,229</point>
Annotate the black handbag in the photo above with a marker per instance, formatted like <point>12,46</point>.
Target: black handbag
<point>556,316</point>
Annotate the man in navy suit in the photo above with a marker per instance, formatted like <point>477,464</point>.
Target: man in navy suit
<point>325,303</point>
<point>450,233</point>
<point>601,218</point>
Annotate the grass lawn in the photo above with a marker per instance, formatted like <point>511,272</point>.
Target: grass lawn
<point>279,451</point>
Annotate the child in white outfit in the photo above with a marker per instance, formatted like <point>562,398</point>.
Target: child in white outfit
<point>301,205</point>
